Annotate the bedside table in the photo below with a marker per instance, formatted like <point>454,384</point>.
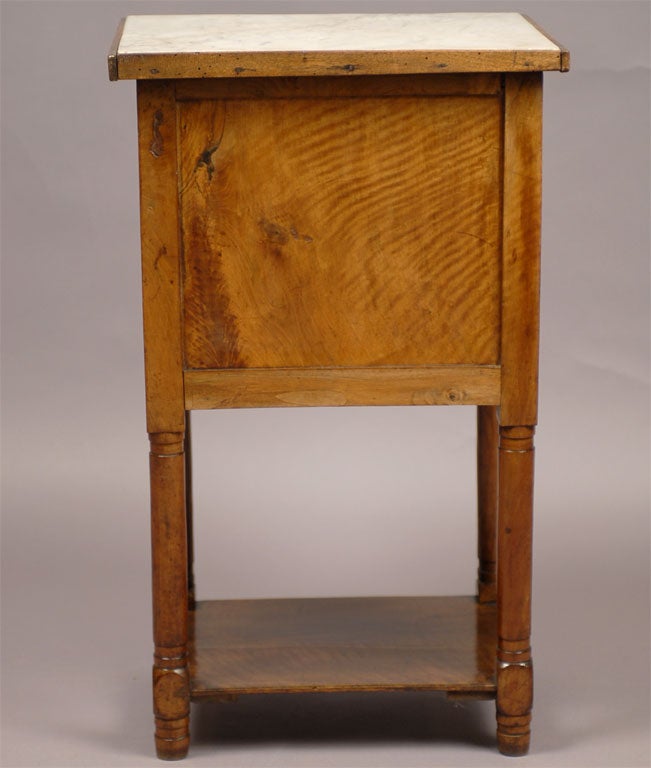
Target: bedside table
<point>341,210</point>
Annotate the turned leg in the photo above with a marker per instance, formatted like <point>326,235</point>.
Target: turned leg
<point>170,595</point>
<point>514,664</point>
<point>189,511</point>
<point>487,463</point>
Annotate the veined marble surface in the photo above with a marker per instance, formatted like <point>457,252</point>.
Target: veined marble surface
<point>223,33</point>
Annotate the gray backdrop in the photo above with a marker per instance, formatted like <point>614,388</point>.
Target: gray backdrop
<point>311,502</point>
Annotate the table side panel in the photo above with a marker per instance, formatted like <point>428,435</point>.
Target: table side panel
<point>340,232</point>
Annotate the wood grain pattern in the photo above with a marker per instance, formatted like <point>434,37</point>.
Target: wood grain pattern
<point>157,66</point>
<point>276,45</point>
<point>169,596</point>
<point>565,54</point>
<point>521,248</point>
<point>341,232</point>
<point>165,412</point>
<point>519,404</point>
<point>514,547</point>
<point>112,59</point>
<point>435,385</point>
<point>332,87</point>
<point>368,234</point>
<point>342,644</point>
<point>207,45</point>
<point>161,279</point>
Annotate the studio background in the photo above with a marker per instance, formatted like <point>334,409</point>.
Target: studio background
<point>301,502</point>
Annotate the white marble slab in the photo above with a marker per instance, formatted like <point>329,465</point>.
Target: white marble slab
<point>250,33</point>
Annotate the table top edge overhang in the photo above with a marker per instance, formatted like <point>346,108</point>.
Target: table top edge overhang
<point>266,45</point>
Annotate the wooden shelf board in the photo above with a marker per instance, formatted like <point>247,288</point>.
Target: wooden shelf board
<point>342,644</point>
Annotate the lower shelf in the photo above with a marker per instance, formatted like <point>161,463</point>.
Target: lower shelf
<point>342,644</point>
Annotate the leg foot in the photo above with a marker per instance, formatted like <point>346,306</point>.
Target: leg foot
<point>514,701</point>
<point>172,705</point>
<point>172,738</point>
<point>513,735</point>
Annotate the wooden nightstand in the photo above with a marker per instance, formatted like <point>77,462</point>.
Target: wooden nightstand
<point>342,210</point>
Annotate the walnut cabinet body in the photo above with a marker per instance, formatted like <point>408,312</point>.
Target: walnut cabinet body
<point>342,210</point>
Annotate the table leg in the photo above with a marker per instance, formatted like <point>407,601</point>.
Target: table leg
<point>514,663</point>
<point>487,463</point>
<point>170,595</point>
<point>189,511</point>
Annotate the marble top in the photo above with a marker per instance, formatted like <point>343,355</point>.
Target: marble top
<point>270,45</point>
<point>222,33</point>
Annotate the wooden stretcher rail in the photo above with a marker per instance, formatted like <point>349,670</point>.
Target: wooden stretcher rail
<point>425,385</point>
